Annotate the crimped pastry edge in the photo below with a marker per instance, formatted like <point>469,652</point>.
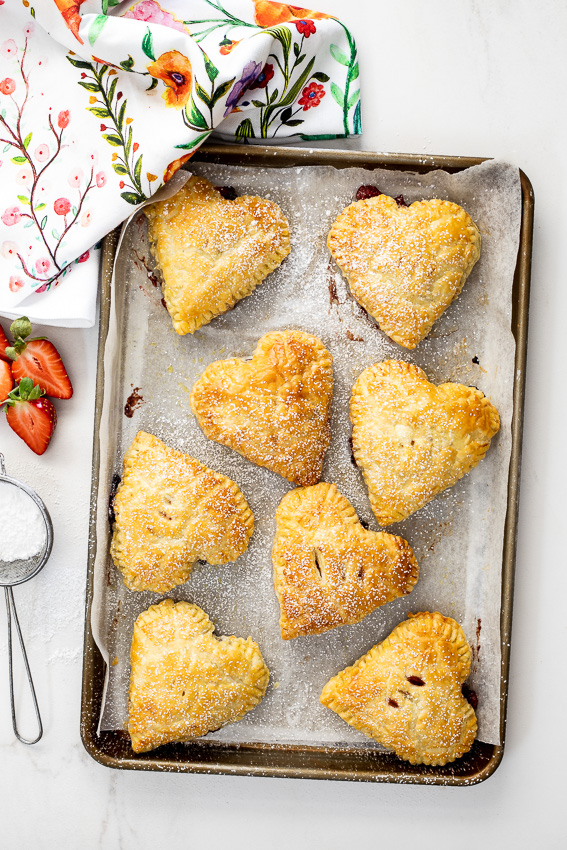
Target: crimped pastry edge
<point>409,340</point>
<point>256,689</point>
<point>290,630</point>
<point>403,368</point>
<point>438,624</point>
<point>142,441</point>
<point>310,475</point>
<point>183,325</point>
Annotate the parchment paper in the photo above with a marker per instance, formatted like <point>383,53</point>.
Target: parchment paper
<point>457,538</point>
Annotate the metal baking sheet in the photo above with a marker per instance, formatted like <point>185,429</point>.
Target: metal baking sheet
<point>320,761</point>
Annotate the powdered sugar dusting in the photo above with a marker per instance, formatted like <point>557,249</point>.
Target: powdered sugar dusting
<point>457,539</point>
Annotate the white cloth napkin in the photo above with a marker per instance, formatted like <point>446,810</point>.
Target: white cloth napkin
<point>101,102</point>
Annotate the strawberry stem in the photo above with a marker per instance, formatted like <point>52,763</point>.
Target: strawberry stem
<point>20,329</point>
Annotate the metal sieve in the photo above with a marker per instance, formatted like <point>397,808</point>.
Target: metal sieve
<point>17,572</point>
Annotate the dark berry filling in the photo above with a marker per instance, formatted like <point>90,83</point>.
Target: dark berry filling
<point>365,192</point>
<point>469,695</point>
<point>227,192</point>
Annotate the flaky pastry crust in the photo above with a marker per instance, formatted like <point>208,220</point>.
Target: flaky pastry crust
<point>274,409</point>
<point>405,265</point>
<point>213,252</point>
<point>406,692</point>
<point>413,439</point>
<point>186,682</point>
<point>171,511</point>
<point>330,571</point>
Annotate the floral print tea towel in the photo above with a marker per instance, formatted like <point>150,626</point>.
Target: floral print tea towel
<point>101,101</point>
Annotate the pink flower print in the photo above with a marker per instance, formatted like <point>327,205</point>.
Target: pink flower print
<point>75,178</point>
<point>150,11</point>
<point>9,250</point>
<point>28,29</point>
<point>86,218</point>
<point>63,119</point>
<point>7,86</point>
<point>11,216</point>
<point>9,48</point>
<point>62,206</point>
<point>42,288</point>
<point>42,153</point>
<point>84,257</point>
<point>42,265</point>
<point>24,175</point>
<point>15,283</point>
<point>101,179</point>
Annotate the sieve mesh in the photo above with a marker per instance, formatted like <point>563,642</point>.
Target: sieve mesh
<point>20,570</point>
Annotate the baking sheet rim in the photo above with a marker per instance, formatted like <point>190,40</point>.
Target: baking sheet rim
<point>100,746</point>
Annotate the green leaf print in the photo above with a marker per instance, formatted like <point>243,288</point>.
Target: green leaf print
<point>338,54</point>
<point>96,28</point>
<point>337,94</point>
<point>102,81</point>
<point>148,45</point>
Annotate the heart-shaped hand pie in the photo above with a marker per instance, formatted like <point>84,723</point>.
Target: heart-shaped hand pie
<point>185,682</point>
<point>405,264</point>
<point>171,511</point>
<point>413,439</point>
<point>406,693</point>
<point>330,571</point>
<point>274,409</point>
<point>212,252</point>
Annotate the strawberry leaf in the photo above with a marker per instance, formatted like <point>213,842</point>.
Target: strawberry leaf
<point>20,328</point>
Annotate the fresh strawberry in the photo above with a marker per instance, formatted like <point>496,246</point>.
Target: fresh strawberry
<point>39,360</point>
<point>6,380</point>
<point>32,418</point>
<point>3,345</point>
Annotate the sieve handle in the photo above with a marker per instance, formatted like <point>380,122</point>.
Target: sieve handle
<point>12,613</point>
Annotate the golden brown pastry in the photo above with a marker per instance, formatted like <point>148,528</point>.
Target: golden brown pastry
<point>171,511</point>
<point>186,682</point>
<point>405,264</point>
<point>413,439</point>
<point>406,692</point>
<point>330,571</point>
<point>212,252</point>
<point>274,409</point>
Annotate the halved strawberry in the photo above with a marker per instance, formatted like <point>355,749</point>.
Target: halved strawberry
<point>4,343</point>
<point>6,380</point>
<point>39,360</point>
<point>32,418</point>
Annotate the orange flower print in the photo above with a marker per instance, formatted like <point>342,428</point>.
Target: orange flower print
<point>175,166</point>
<point>70,13</point>
<point>227,46</point>
<point>268,14</point>
<point>174,69</point>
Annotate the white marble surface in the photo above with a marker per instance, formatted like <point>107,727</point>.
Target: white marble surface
<point>442,78</point>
